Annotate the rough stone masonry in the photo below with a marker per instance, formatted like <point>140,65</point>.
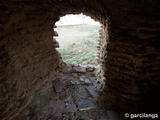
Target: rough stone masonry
<point>130,53</point>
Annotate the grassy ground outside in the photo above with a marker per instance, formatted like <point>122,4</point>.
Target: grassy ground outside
<point>78,44</point>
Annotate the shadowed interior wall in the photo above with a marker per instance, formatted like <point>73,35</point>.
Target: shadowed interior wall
<point>28,59</point>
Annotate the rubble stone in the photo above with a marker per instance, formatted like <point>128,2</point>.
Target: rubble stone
<point>79,69</point>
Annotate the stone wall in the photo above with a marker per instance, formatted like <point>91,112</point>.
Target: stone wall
<point>28,59</point>
<point>133,57</point>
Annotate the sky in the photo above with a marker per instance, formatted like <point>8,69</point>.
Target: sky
<point>71,19</point>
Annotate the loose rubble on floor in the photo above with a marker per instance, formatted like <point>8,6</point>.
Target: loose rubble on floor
<point>73,97</point>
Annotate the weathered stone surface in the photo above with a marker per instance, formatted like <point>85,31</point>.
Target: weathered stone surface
<point>56,44</point>
<point>90,69</point>
<point>70,105</point>
<point>92,92</point>
<point>70,101</point>
<point>85,80</point>
<point>58,86</point>
<point>86,104</point>
<point>79,69</point>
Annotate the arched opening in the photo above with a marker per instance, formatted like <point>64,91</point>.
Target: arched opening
<point>98,30</point>
<point>80,83</point>
<point>78,38</point>
<point>86,51</point>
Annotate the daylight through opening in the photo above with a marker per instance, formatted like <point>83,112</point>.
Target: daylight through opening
<point>78,38</point>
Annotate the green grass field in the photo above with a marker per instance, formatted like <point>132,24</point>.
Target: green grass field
<point>78,44</point>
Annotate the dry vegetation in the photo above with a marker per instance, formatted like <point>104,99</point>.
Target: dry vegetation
<point>78,44</point>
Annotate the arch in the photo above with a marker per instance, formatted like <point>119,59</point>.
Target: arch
<point>78,38</point>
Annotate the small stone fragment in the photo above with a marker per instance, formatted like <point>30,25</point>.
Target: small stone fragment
<point>79,69</point>
<point>56,44</point>
<point>85,80</point>
<point>85,104</point>
<point>75,82</point>
<point>68,69</point>
<point>90,69</point>
<point>58,85</point>
<point>55,33</point>
<point>92,92</point>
